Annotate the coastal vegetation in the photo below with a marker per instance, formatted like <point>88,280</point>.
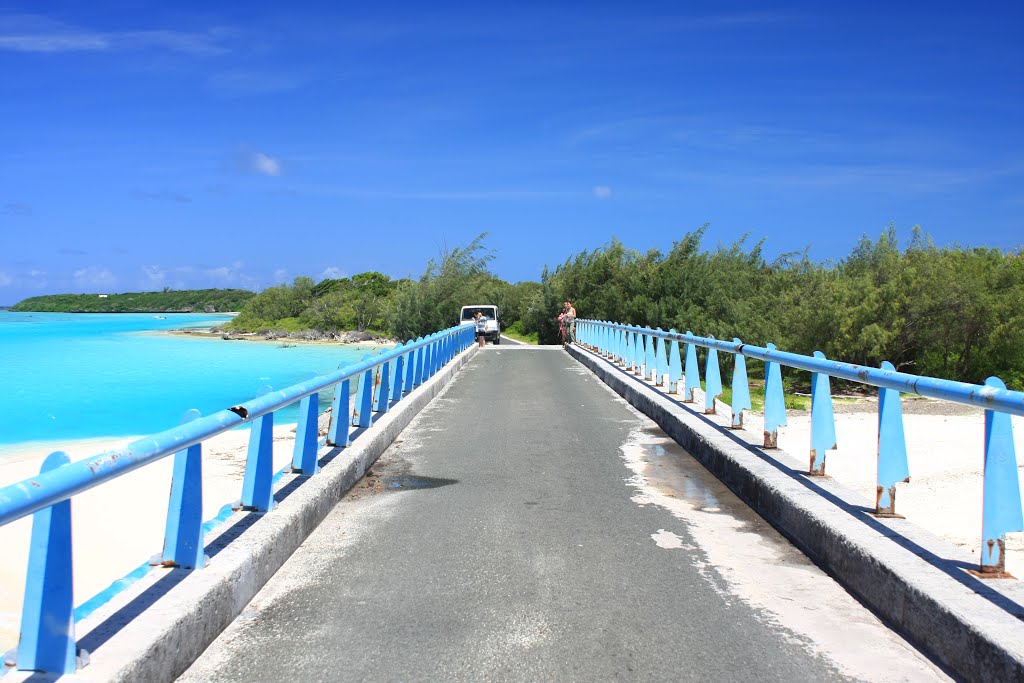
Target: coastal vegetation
<point>167,301</point>
<point>954,312</point>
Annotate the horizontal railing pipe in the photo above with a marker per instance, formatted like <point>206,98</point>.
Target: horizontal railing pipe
<point>964,393</point>
<point>26,497</point>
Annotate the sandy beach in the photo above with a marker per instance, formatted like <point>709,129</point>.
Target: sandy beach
<point>119,525</point>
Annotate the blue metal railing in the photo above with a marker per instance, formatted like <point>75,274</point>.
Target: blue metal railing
<point>642,351</point>
<point>47,629</point>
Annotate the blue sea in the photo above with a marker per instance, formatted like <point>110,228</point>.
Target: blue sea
<point>76,376</point>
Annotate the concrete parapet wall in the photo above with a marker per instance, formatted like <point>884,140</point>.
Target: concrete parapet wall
<point>155,629</point>
<point>914,580</point>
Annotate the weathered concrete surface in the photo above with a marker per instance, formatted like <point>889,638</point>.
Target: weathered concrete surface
<point>155,629</point>
<point>530,525</point>
<point>916,581</point>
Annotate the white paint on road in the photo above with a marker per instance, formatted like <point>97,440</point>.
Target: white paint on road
<point>743,557</point>
<point>667,539</point>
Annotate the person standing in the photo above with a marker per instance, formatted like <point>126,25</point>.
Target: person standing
<point>480,321</point>
<point>570,322</point>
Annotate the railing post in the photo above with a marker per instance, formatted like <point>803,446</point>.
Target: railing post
<point>383,389</point>
<point>183,531</point>
<point>661,353</point>
<point>823,421</point>
<point>740,388</point>
<point>47,619</point>
<point>675,367</point>
<point>362,416</point>
<point>774,402</point>
<point>410,368</point>
<point>341,419</point>
<point>712,382</point>
<point>1001,508</point>
<point>419,365</point>
<point>427,358</point>
<point>307,436</point>
<point>692,371</point>
<point>399,377</point>
<point>623,347</point>
<point>892,449</point>
<point>257,487</point>
<point>628,357</point>
<point>650,360</point>
<point>638,353</point>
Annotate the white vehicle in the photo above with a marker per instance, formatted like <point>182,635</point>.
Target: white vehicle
<point>492,326</point>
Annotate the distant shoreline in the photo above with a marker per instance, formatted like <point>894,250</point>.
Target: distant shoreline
<point>278,338</point>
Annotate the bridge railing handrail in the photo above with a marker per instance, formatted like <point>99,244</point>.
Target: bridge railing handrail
<point>46,645</point>
<point>641,351</point>
<point>978,395</point>
<point>26,497</point>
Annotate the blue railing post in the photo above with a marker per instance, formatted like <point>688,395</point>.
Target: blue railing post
<point>362,415</point>
<point>1001,508</point>
<point>410,369</point>
<point>774,402</point>
<point>399,383</point>
<point>307,436</point>
<point>638,353</point>
<point>623,347</point>
<point>383,388</point>
<point>823,421</point>
<point>47,619</point>
<point>427,358</point>
<point>183,531</point>
<point>712,382</point>
<point>650,360</point>
<point>675,367</point>
<point>692,372</point>
<point>660,360</point>
<point>257,487</point>
<point>740,388</point>
<point>628,352</point>
<point>892,449</point>
<point>341,420</point>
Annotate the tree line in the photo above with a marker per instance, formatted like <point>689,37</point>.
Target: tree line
<point>953,312</point>
<point>167,301</point>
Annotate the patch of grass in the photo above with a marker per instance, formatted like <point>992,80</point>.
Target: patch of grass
<point>793,402</point>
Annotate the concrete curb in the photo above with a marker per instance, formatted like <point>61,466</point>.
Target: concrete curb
<point>911,578</point>
<point>154,630</point>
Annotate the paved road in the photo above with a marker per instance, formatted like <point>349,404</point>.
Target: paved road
<point>532,526</point>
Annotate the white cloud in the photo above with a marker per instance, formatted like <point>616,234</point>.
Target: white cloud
<point>332,273</point>
<point>255,161</point>
<point>94,276</point>
<point>280,275</point>
<point>261,163</point>
<point>5,279</point>
<point>39,34</point>
<point>153,276</point>
<point>232,276</point>
<point>602,192</point>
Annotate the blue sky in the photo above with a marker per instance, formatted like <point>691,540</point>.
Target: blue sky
<point>186,144</point>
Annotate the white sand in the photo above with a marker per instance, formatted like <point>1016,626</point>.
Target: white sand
<point>118,525</point>
<point>946,458</point>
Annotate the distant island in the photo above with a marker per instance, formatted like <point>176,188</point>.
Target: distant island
<point>168,301</point>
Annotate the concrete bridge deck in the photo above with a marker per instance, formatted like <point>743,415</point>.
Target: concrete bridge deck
<point>531,525</point>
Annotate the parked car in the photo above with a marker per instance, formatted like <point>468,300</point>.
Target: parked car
<point>492,325</point>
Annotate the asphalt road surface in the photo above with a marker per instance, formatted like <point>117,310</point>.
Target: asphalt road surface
<point>531,526</point>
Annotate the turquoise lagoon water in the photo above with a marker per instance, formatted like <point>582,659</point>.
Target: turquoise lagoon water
<point>75,376</point>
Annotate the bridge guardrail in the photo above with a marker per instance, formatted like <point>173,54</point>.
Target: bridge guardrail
<point>642,351</point>
<point>47,641</point>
